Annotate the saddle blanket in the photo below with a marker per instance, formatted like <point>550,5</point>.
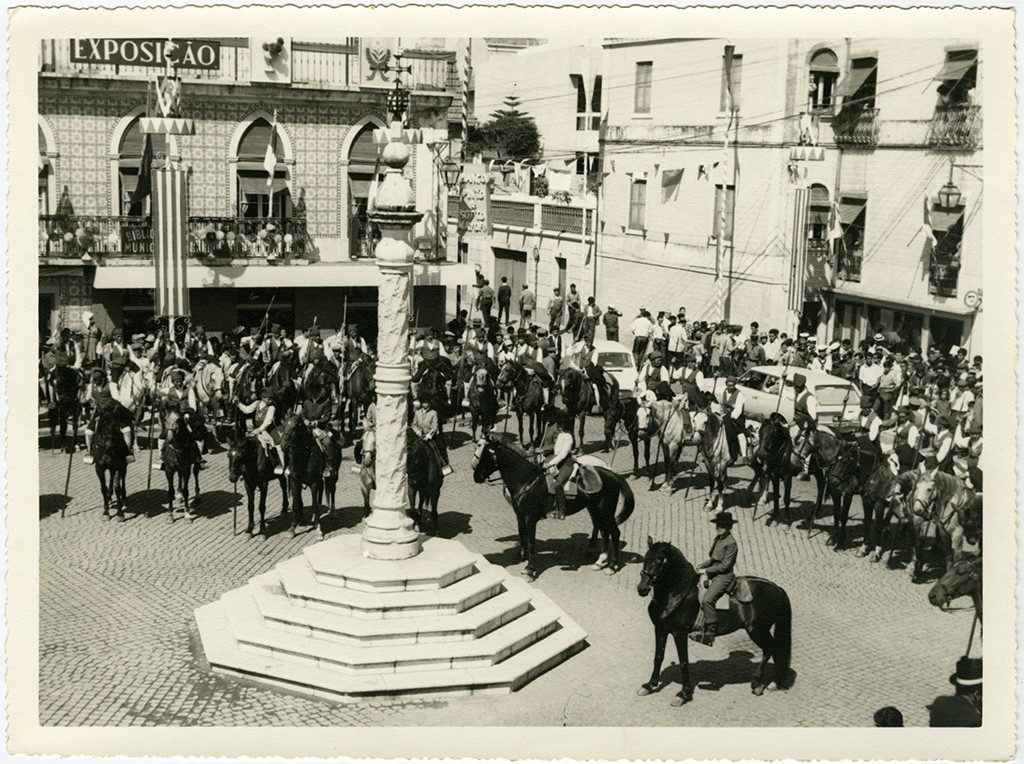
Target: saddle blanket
<point>739,590</point>
<point>584,477</point>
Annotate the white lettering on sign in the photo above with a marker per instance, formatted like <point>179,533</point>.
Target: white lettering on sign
<point>192,54</point>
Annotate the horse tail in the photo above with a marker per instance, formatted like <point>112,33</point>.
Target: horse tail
<point>628,500</point>
<point>783,651</point>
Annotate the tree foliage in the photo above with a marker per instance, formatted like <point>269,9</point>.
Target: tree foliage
<point>510,134</point>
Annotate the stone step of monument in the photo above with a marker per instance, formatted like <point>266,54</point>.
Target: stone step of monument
<point>226,657</point>
<point>253,635</point>
<point>339,561</point>
<point>304,590</point>
<point>281,613</point>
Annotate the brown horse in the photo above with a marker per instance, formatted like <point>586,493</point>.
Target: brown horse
<point>306,465</point>
<point>425,481</point>
<point>637,421</point>
<point>483,402</point>
<point>180,457</point>
<point>962,580</point>
<point>110,454</point>
<point>883,496</point>
<point>774,462</point>
<point>529,398</point>
<point>855,462</point>
<point>248,460</point>
<point>577,397</point>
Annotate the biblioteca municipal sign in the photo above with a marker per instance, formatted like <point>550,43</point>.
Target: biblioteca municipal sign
<point>192,54</point>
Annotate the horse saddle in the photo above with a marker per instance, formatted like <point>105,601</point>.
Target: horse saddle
<point>739,591</point>
<point>584,476</point>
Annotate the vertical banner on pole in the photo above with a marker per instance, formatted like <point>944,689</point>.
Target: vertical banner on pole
<point>170,239</point>
<point>798,267</point>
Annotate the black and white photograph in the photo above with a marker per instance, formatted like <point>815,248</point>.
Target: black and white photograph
<point>582,378</point>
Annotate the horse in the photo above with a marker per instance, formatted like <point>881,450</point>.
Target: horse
<point>483,402</point>
<point>961,580</point>
<point>280,379</point>
<point>823,449</point>
<point>673,610</point>
<point>244,390</point>
<point>110,456</point>
<point>430,380</point>
<point>359,388</point>
<point>942,500</point>
<point>529,397</point>
<point>425,481</point>
<point>180,456</point>
<point>637,421</point>
<point>883,496</point>
<point>671,422</point>
<point>209,387</point>
<point>714,447</point>
<point>577,397</point>
<point>305,465</point>
<point>855,462</point>
<point>773,462</point>
<point>531,501</point>
<point>67,385</point>
<point>248,460</point>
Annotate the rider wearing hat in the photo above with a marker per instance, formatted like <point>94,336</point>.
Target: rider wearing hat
<point>559,466</point>
<point>181,397</point>
<point>719,570</point>
<point>734,419</point>
<point>426,424</point>
<point>805,419</point>
<point>266,432</point>
<point>106,404</point>
<point>944,443</point>
<point>963,709</point>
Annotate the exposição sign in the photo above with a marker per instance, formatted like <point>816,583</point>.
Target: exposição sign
<point>192,54</point>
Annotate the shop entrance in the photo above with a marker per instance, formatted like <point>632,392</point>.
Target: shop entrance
<point>946,332</point>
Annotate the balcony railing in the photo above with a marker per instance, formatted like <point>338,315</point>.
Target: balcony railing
<point>61,236</point>
<point>856,127</point>
<point>555,218</point>
<point>955,127</point>
<point>327,65</point>
<point>943,276</point>
<point>849,264</point>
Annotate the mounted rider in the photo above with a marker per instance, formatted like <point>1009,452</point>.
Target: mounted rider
<point>559,466</point>
<point>719,569</point>
<point>805,422</point>
<point>426,425</point>
<point>181,397</point>
<point>266,432</point>
<point>906,441</point>
<point>734,419</point>
<point>104,403</point>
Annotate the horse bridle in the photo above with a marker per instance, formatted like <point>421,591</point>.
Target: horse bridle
<point>973,573</point>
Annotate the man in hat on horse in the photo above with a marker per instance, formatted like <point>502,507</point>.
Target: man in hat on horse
<point>559,466</point>
<point>182,397</point>
<point>426,424</point>
<point>105,403</point>
<point>734,420</point>
<point>719,570</point>
<point>266,432</point>
<point>805,420</point>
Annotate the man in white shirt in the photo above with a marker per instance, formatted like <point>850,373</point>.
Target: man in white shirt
<point>734,419</point>
<point>772,347</point>
<point>868,375</point>
<point>641,331</point>
<point>676,340</point>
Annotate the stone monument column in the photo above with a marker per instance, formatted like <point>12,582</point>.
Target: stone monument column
<point>388,533</point>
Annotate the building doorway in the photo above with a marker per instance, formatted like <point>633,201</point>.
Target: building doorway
<point>946,332</point>
<point>363,167</point>
<point>510,264</point>
<point>563,269</point>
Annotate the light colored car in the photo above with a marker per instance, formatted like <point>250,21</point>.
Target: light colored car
<point>837,397</point>
<point>616,359</point>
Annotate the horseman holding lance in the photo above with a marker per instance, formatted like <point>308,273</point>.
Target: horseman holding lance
<point>266,432</point>
<point>906,442</point>
<point>104,402</point>
<point>182,397</point>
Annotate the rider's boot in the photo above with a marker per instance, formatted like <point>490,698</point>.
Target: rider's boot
<point>710,631</point>
<point>87,459</point>
<point>743,449</point>
<point>558,513</point>
<point>158,463</point>
<point>279,469</point>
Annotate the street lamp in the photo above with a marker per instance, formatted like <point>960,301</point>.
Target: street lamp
<point>451,172</point>
<point>949,194</point>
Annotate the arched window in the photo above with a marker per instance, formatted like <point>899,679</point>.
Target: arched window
<point>362,167</point>
<point>822,84</point>
<point>256,197</point>
<point>129,166</point>
<point>819,208</point>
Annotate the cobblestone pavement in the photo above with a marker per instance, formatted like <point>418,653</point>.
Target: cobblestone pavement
<point>118,644</point>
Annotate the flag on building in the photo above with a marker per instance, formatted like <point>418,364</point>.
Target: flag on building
<point>144,186</point>
<point>798,261</point>
<point>270,158</point>
<point>835,226</point>
<point>927,225</point>
<point>170,240</point>
<point>670,182</point>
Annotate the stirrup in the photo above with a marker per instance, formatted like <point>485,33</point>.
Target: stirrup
<point>129,459</point>
<point>279,470</point>
<point>88,459</point>
<point>447,470</point>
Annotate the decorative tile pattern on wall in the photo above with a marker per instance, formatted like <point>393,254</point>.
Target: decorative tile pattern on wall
<point>83,128</point>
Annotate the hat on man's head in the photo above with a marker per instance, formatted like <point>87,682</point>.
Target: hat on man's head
<point>177,374</point>
<point>968,674</point>
<point>834,346</point>
<point>724,520</point>
<point>879,337</point>
<point>478,323</point>
<point>944,421</point>
<point>238,331</point>
<point>275,328</point>
<point>804,335</point>
<point>730,380</point>
<point>799,379</point>
<point>866,402</point>
<point>449,334</point>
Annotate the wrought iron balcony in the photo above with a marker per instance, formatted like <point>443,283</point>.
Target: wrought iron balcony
<point>543,216</point>
<point>849,264</point>
<point>955,127</point>
<point>121,236</point>
<point>856,126</point>
<point>943,275</point>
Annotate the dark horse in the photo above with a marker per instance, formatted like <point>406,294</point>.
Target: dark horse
<point>882,496</point>
<point>65,405</point>
<point>577,397</point>
<point>961,580</point>
<point>823,449</point>
<point>855,462</point>
<point>425,481</point>
<point>359,388</point>
<point>430,379</point>
<point>773,462</point>
<point>529,398</point>
<point>180,457</point>
<point>637,422</point>
<point>530,499</point>
<point>248,460</point>
<point>674,607</point>
<point>305,465</point>
<point>483,402</point>
<point>110,454</point>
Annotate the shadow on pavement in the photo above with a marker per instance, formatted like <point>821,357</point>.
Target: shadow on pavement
<point>147,503</point>
<point>214,503</point>
<point>51,504</point>
<point>452,524</point>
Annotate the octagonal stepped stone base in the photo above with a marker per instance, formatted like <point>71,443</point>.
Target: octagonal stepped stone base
<point>334,624</point>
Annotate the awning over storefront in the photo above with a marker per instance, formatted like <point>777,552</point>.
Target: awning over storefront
<point>958,63</point>
<point>850,208</point>
<point>860,70</point>
<point>943,219</point>
<point>244,275</point>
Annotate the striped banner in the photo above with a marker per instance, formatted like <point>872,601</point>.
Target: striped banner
<point>798,264</point>
<point>466,68</point>
<point>170,242</point>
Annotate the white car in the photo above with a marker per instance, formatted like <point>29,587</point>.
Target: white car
<point>838,398</point>
<point>616,359</point>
